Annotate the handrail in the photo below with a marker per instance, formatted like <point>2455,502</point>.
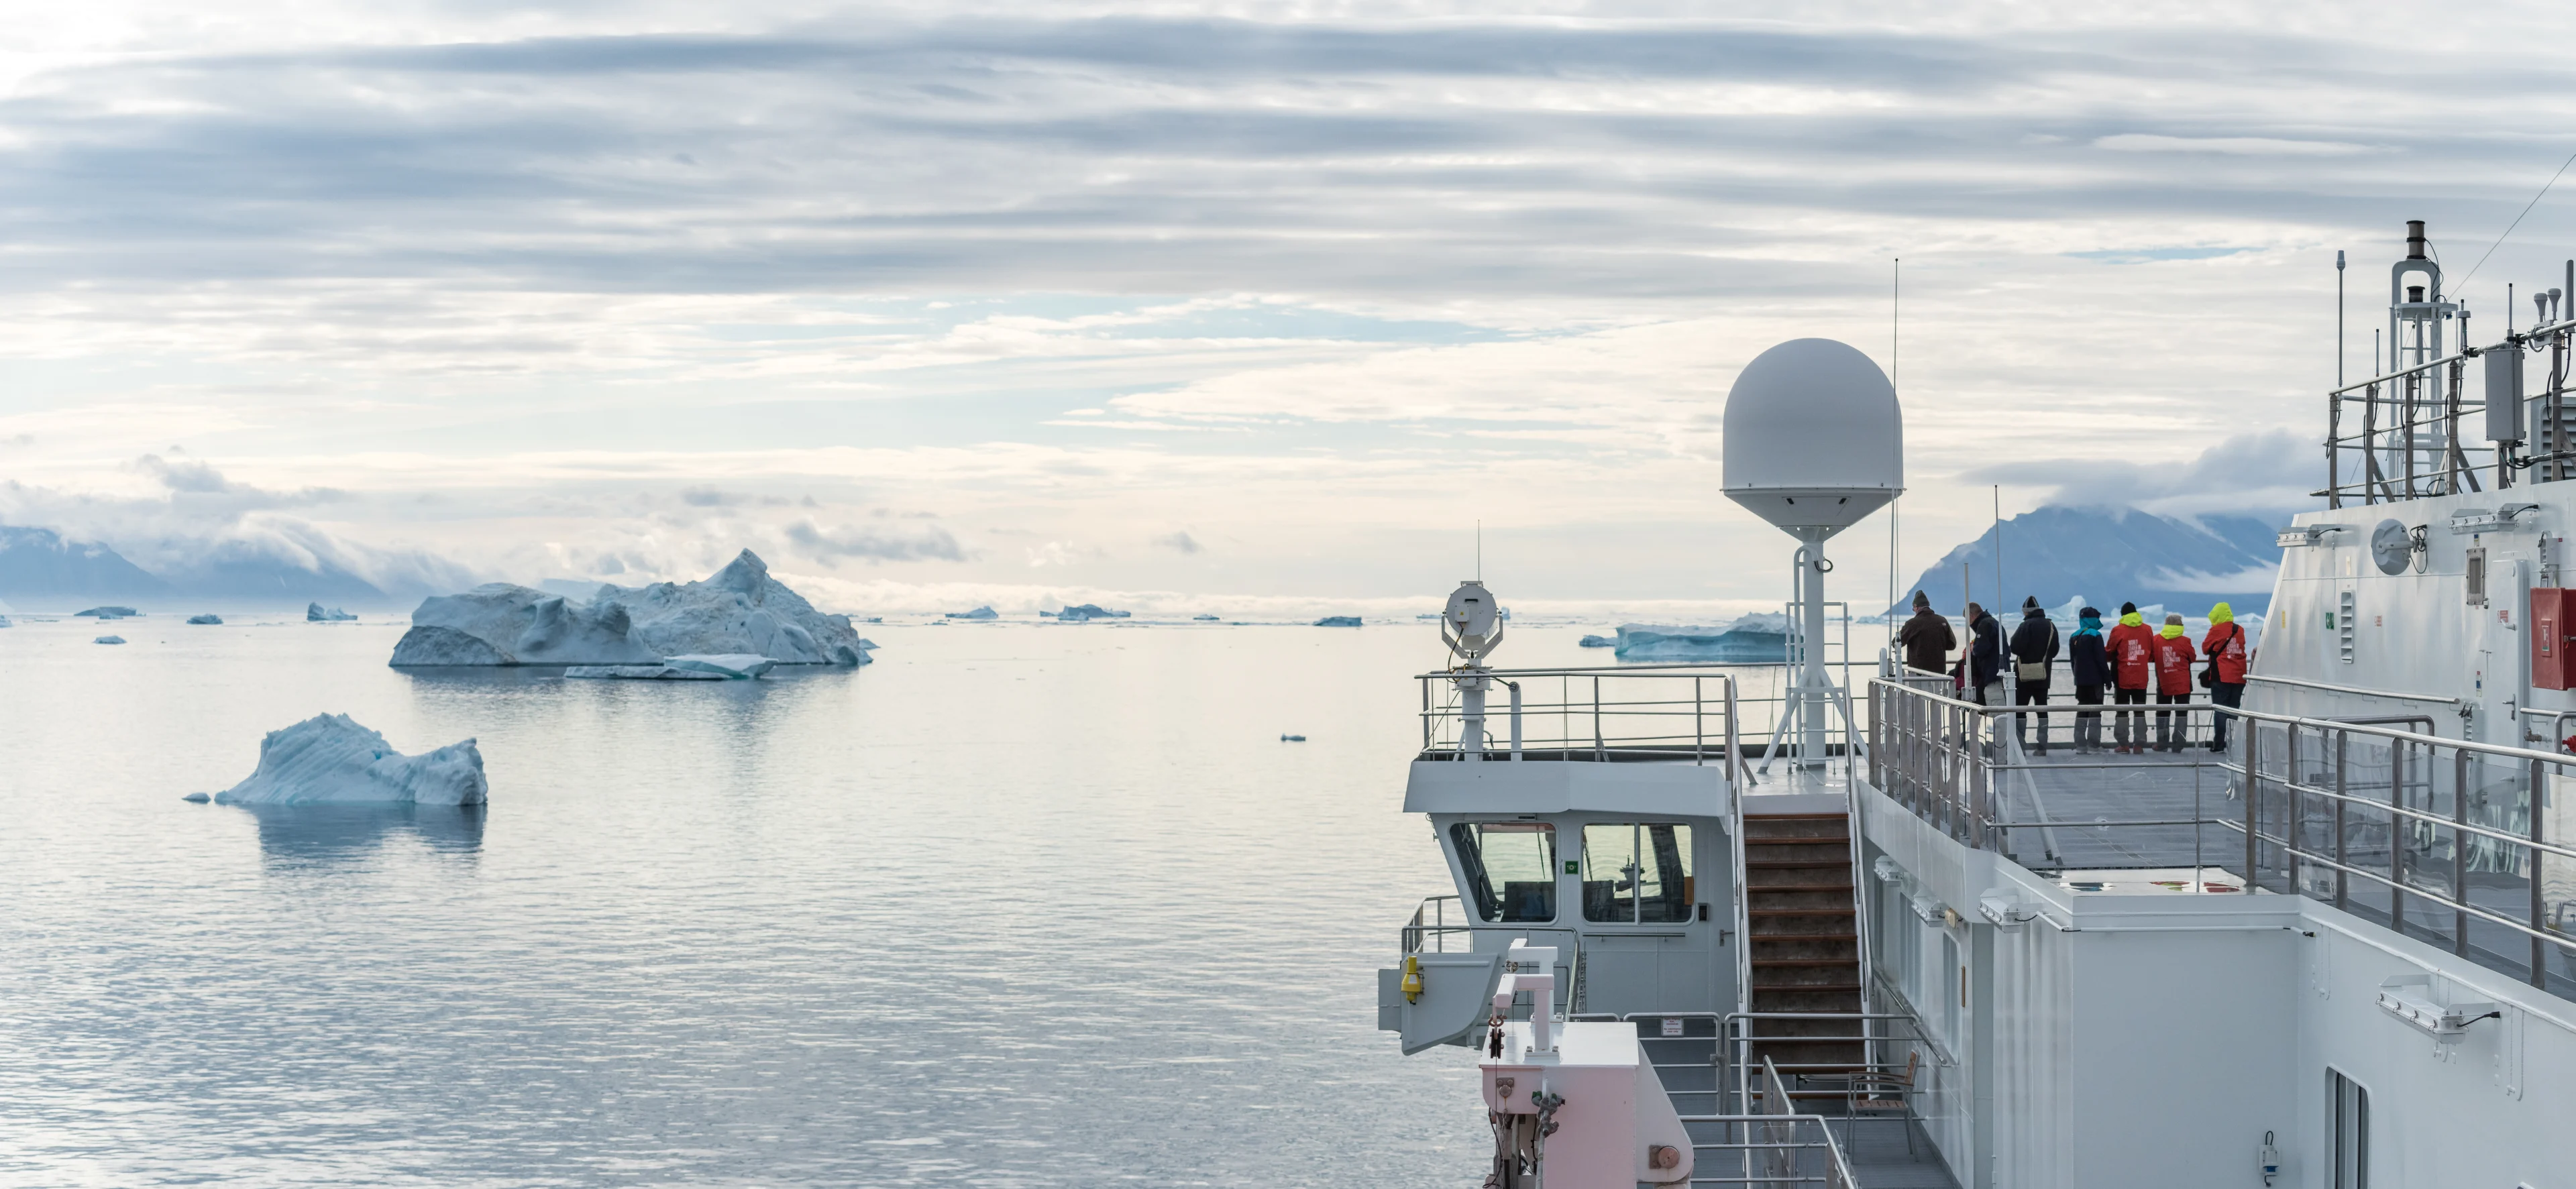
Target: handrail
<point>2300,809</point>
<point>2352,689</point>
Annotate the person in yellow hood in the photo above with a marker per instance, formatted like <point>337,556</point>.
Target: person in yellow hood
<point>2224,645</point>
<point>2174,655</point>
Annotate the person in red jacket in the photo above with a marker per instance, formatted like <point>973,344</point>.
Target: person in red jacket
<point>2225,648</point>
<point>2133,669</point>
<point>2174,657</point>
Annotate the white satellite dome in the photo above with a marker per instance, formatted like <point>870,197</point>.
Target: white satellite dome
<point>1814,438</point>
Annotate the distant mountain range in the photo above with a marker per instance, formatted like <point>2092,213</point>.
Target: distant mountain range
<point>2108,556</point>
<point>39,567</point>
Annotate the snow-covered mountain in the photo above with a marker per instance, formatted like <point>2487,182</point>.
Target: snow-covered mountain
<point>2108,556</point>
<point>39,568</point>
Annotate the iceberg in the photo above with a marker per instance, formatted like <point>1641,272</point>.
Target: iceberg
<point>1203,619</point>
<point>317,613</point>
<point>977,613</point>
<point>1338,621</point>
<point>1596,642</point>
<point>109,640</point>
<point>1086,613</point>
<point>740,666</point>
<point>205,619</point>
<point>1757,639</point>
<point>331,758</point>
<point>738,611</point>
<point>109,612</point>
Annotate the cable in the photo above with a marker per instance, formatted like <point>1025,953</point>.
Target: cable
<point>2517,220</point>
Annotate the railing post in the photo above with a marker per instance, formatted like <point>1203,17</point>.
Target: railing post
<point>1699,729</point>
<point>1515,687</point>
<point>2397,836</point>
<point>2343,855</point>
<point>2539,901</point>
<point>2460,853</point>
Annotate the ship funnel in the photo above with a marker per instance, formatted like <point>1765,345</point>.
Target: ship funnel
<point>1814,439</point>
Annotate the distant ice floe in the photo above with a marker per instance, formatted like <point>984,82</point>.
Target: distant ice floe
<point>109,640</point>
<point>107,612</point>
<point>1761,638</point>
<point>977,613</point>
<point>205,619</point>
<point>317,613</point>
<point>739,610</point>
<point>1338,621</point>
<point>330,758</point>
<point>720,667</point>
<point>1204,619</point>
<point>1083,614</point>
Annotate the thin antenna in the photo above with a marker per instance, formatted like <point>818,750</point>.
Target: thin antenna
<point>1895,312</point>
<point>2517,222</point>
<point>2338,319</point>
<point>1480,551</point>
<point>1999,544</point>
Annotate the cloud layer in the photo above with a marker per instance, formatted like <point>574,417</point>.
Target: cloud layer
<point>950,294</point>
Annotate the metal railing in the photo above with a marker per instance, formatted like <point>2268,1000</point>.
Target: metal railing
<point>1634,712</point>
<point>1420,936</point>
<point>2400,435</point>
<point>2468,845</point>
<point>1776,1146</point>
<point>1964,768</point>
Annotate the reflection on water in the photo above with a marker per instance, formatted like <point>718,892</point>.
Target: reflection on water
<point>311,834</point>
<point>1013,907</point>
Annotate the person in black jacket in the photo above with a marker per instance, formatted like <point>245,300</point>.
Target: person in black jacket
<point>2034,646</point>
<point>2091,664</point>
<point>1984,663</point>
<point>1926,638</point>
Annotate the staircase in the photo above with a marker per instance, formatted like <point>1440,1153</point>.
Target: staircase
<point>1805,947</point>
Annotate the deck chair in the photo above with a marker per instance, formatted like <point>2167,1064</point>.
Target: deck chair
<point>1881,1090</point>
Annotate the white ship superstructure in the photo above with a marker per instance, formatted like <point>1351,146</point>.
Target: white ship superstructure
<point>1703,938</point>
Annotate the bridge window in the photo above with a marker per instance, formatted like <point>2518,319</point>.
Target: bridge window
<point>1511,868</point>
<point>1637,873</point>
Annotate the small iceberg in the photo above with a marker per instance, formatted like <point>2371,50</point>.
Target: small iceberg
<point>317,613</point>
<point>108,612</point>
<point>1084,614</point>
<point>109,640</point>
<point>1292,738</point>
<point>977,613</point>
<point>205,619</point>
<point>330,758</point>
<point>196,798</point>
<point>1338,621</point>
<point>1204,619</point>
<point>1761,638</point>
<point>1596,642</point>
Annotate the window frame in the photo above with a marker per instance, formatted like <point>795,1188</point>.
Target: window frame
<point>1686,895</point>
<point>1473,870</point>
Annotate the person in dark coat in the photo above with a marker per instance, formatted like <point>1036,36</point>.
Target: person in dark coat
<point>2089,662</point>
<point>1984,661</point>
<point>2035,645</point>
<point>1926,638</point>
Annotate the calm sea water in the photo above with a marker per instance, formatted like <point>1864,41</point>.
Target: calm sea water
<point>1016,905</point>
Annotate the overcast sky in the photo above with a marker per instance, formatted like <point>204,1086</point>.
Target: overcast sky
<point>1201,304</point>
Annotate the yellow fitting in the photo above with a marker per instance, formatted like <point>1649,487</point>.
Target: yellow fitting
<point>1412,979</point>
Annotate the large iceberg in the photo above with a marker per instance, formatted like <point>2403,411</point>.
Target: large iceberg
<point>1084,613</point>
<point>1758,638</point>
<point>330,757</point>
<point>739,610</point>
<point>977,613</point>
<point>317,613</point>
